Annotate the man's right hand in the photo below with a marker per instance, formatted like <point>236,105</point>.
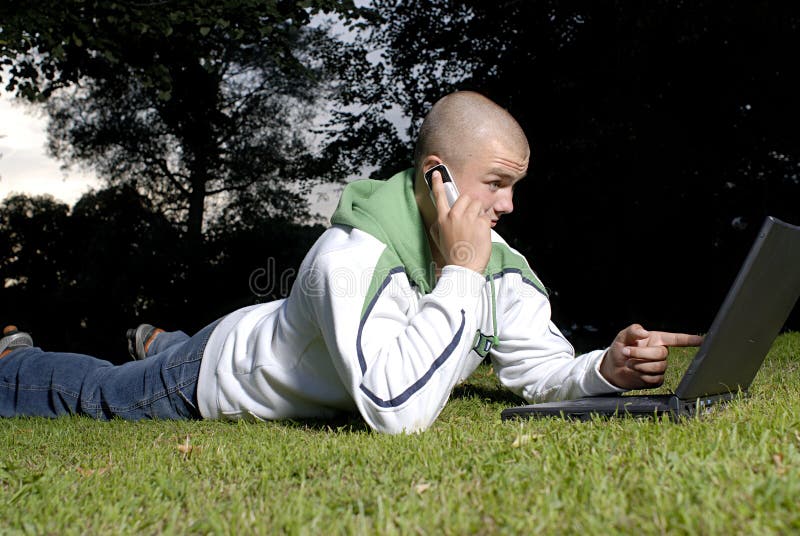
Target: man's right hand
<point>461,232</point>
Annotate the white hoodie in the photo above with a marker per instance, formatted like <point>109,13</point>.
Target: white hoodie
<point>368,328</point>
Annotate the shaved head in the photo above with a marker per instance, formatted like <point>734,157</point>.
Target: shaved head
<point>461,122</point>
<point>484,148</point>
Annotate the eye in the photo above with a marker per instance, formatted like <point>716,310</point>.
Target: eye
<point>494,186</point>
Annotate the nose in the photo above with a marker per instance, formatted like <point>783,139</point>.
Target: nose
<point>505,203</point>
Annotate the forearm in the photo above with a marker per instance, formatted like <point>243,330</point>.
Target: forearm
<point>556,376</point>
<point>406,358</point>
<point>536,361</point>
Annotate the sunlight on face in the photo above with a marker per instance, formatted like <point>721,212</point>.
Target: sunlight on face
<point>489,173</point>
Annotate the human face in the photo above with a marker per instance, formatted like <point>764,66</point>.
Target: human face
<point>489,174</point>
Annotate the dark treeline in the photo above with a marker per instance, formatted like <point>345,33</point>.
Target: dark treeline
<point>662,134</point>
<point>81,276</point>
<point>665,133</point>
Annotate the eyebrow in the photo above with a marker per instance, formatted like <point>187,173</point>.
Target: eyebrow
<point>503,174</point>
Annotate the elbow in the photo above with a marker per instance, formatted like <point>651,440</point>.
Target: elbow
<point>400,426</point>
<point>410,418</point>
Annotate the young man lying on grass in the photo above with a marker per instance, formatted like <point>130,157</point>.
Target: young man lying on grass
<point>397,302</point>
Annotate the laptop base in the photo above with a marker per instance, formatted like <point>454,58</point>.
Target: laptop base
<point>641,406</point>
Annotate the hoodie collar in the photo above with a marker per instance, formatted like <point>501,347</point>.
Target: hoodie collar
<point>388,211</point>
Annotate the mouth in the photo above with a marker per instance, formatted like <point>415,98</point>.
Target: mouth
<point>494,222</point>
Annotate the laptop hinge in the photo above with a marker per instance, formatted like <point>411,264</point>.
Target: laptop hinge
<point>703,405</point>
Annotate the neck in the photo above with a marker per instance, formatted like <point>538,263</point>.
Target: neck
<point>428,213</point>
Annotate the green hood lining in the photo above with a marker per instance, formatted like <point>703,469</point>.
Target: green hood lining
<point>388,211</point>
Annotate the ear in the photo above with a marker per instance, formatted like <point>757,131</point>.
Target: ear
<point>429,161</point>
<point>419,174</point>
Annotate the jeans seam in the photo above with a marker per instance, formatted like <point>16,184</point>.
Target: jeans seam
<point>187,362</point>
<point>164,393</point>
<point>57,388</point>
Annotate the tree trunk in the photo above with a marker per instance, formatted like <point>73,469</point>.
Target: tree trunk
<point>194,223</point>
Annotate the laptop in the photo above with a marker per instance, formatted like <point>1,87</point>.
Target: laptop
<point>751,316</point>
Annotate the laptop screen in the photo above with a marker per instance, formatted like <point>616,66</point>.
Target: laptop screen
<point>751,316</point>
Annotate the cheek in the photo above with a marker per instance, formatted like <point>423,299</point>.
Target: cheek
<point>489,202</point>
<point>473,193</point>
<point>487,198</point>
<point>492,200</point>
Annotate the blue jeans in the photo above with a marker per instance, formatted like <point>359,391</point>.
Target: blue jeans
<point>50,384</point>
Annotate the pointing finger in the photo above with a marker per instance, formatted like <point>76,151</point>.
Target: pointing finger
<point>663,338</point>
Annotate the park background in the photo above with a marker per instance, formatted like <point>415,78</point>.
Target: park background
<point>662,135</point>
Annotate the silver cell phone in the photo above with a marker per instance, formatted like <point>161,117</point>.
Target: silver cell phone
<point>450,188</point>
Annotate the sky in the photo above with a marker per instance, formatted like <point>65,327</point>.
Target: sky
<point>25,166</point>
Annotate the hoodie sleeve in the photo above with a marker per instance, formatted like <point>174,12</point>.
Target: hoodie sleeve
<point>398,356</point>
<point>533,358</point>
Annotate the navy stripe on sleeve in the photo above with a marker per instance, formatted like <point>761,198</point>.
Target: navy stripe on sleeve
<point>417,385</point>
<point>361,361</point>
<point>505,271</point>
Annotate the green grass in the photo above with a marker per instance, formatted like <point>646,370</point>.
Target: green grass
<point>736,471</point>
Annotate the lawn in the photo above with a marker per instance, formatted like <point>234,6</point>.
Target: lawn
<point>735,471</point>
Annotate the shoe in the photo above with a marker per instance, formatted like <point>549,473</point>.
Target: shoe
<point>139,339</point>
<point>13,339</point>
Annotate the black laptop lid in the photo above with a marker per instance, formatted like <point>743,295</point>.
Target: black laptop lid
<point>753,313</point>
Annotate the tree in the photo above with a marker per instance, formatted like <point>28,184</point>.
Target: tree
<point>76,279</point>
<point>35,259</point>
<point>197,104</point>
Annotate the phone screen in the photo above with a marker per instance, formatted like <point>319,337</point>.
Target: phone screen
<point>450,188</point>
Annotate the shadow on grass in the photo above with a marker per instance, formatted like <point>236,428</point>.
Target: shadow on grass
<point>345,423</point>
<point>353,423</point>
<point>490,394</point>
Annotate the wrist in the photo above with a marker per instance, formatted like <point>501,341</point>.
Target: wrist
<point>606,368</point>
<point>467,254</point>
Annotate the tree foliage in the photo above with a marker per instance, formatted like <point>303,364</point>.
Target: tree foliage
<point>201,106</point>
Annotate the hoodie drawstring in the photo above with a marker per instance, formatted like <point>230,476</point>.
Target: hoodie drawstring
<point>495,338</point>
